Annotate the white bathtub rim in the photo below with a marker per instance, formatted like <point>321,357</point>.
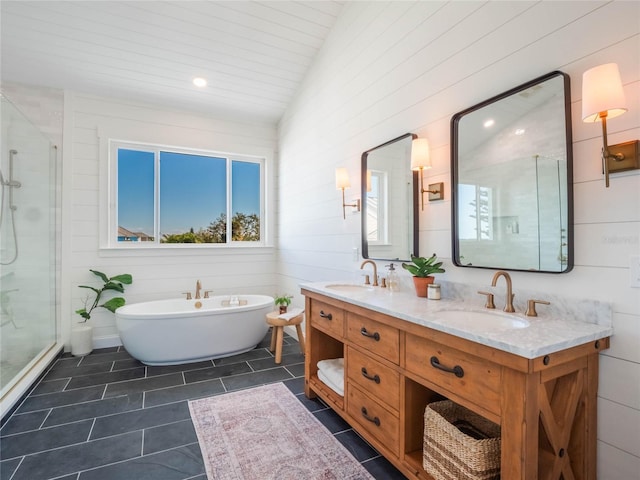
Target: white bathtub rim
<point>211,306</point>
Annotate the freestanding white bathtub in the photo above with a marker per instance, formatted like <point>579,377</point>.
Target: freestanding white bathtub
<point>170,332</point>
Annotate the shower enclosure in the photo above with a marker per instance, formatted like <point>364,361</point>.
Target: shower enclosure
<point>28,268</point>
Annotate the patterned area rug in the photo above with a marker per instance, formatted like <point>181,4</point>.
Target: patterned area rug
<point>266,433</point>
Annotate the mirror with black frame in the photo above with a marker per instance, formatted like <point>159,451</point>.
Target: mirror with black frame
<point>389,220</point>
<point>512,182</point>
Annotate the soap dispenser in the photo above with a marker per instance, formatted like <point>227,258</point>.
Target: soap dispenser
<point>392,279</point>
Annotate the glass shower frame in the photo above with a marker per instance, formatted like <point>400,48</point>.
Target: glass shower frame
<point>29,269</point>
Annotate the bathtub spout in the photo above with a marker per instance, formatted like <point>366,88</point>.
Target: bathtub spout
<point>198,288</point>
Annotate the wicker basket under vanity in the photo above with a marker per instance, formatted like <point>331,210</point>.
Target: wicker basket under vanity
<point>460,444</point>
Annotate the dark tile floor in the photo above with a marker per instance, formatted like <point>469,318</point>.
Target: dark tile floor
<point>108,417</point>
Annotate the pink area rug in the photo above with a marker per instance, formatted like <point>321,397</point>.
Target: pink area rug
<point>266,433</point>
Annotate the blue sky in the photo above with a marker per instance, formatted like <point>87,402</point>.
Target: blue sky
<point>192,190</point>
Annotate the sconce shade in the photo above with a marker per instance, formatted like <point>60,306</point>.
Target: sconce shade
<point>342,179</point>
<point>368,180</point>
<point>420,154</point>
<point>602,92</point>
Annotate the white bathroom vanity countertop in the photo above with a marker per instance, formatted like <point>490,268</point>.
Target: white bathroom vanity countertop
<point>545,334</point>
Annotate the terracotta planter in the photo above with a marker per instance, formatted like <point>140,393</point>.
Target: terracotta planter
<point>421,285</point>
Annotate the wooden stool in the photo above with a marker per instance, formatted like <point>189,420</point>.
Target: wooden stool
<point>278,332</point>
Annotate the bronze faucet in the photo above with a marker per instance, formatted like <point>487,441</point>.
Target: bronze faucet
<point>375,271</point>
<point>508,307</point>
<point>198,288</point>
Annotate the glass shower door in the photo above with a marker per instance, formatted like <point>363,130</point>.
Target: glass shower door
<point>27,246</point>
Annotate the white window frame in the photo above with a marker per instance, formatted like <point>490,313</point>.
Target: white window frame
<point>383,208</point>
<point>112,214</point>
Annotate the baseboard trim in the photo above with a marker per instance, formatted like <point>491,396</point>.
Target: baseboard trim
<point>107,341</point>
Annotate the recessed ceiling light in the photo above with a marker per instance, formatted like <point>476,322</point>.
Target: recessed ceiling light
<point>519,131</point>
<point>200,82</point>
<point>489,123</point>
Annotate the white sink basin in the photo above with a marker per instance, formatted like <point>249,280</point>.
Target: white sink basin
<point>481,320</point>
<point>349,287</point>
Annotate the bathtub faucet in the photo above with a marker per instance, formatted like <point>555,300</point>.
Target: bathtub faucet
<point>198,288</point>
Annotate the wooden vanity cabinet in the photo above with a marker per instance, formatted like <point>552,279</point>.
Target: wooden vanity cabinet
<point>546,406</point>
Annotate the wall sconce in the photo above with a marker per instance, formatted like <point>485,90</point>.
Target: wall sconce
<point>342,183</point>
<point>602,98</point>
<point>420,161</point>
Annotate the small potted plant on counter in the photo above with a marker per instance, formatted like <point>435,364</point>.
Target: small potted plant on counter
<point>422,268</point>
<point>82,334</point>
<point>283,301</point>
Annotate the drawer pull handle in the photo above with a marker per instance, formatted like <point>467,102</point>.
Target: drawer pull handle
<point>374,335</point>
<point>457,370</point>
<point>375,420</point>
<point>375,378</point>
<point>328,316</point>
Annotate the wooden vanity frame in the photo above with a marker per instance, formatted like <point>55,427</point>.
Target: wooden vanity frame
<point>546,406</point>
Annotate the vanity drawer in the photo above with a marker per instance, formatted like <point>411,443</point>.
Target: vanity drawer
<point>477,379</point>
<point>377,380</point>
<point>374,337</point>
<point>328,318</point>
<point>373,417</point>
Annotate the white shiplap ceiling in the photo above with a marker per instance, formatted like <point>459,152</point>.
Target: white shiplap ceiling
<point>254,54</point>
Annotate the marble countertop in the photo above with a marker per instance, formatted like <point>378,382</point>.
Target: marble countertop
<point>545,334</point>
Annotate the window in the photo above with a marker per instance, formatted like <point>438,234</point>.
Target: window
<point>475,220</point>
<point>377,206</point>
<point>177,196</point>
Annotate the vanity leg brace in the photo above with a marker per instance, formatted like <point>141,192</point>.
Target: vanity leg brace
<point>519,426</point>
<point>549,422</point>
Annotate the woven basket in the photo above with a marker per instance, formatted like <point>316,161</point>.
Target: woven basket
<point>450,454</point>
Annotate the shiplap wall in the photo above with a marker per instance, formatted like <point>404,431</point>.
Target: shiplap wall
<point>157,273</point>
<point>395,67</point>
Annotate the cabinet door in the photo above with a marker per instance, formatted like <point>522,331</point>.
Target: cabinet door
<point>374,337</point>
<point>376,379</point>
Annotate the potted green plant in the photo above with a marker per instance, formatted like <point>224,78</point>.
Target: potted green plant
<point>422,268</point>
<point>283,301</point>
<point>82,333</point>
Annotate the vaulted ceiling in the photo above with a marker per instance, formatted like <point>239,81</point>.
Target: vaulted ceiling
<point>253,54</point>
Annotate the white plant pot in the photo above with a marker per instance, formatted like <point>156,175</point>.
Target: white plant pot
<point>81,340</point>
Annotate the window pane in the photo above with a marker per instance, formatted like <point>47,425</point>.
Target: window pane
<point>135,195</point>
<point>245,201</point>
<point>373,211</point>
<point>193,198</point>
